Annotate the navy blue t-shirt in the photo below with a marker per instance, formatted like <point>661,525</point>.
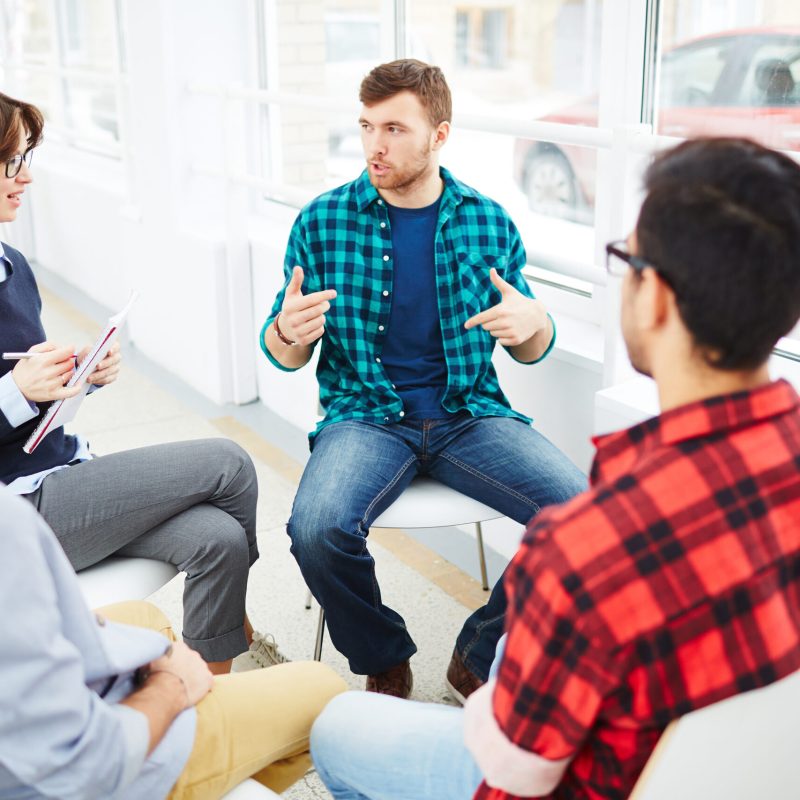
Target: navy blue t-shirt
<point>413,354</point>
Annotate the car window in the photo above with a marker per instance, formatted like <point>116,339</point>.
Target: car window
<point>773,75</point>
<point>690,74</point>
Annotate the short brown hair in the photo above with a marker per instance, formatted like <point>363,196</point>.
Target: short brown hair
<point>16,116</point>
<point>409,75</point>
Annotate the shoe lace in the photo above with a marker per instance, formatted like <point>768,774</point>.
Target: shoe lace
<point>264,650</point>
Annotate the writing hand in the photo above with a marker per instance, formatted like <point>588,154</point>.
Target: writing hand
<point>42,377</point>
<point>515,319</point>
<point>303,315</point>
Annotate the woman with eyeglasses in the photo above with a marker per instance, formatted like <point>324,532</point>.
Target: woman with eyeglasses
<point>191,504</point>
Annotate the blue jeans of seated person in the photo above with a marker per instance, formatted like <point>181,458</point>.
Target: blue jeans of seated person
<point>358,469</point>
<point>369,746</point>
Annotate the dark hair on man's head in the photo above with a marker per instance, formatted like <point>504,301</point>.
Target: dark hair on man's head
<point>721,223</point>
<point>409,75</point>
<point>17,117</point>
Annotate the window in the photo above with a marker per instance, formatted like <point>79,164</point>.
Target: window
<point>731,68</point>
<point>63,55</point>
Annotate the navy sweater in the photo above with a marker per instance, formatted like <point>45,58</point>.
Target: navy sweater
<point>20,329</point>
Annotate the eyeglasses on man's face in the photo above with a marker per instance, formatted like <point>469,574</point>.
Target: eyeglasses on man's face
<point>619,258</point>
<point>14,165</point>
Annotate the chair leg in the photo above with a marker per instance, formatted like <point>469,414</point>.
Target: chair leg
<point>320,635</point>
<point>482,556</point>
<point>308,600</point>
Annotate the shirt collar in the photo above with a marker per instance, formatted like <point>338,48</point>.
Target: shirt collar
<point>454,190</point>
<point>6,267</point>
<point>618,452</point>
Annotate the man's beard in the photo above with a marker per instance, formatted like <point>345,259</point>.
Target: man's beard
<point>403,180</point>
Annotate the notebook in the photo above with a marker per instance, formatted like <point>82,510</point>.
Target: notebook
<point>63,411</point>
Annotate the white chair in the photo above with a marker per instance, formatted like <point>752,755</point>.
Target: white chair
<point>116,579</point>
<point>427,504</point>
<point>742,748</point>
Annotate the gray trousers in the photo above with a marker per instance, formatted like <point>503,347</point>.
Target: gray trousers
<point>191,504</point>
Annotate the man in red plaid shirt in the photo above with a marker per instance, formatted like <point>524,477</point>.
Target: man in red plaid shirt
<point>674,582</point>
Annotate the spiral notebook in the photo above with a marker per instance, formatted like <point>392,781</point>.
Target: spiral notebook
<point>63,411</point>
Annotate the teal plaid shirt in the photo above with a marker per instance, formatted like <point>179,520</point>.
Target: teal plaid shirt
<point>343,241</point>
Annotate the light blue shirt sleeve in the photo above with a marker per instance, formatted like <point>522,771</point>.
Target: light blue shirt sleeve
<point>57,736</point>
<point>14,405</point>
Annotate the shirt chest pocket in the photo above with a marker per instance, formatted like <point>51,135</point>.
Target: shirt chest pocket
<point>476,290</point>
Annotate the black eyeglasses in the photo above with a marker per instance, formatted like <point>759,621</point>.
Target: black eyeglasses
<point>14,165</point>
<point>618,259</point>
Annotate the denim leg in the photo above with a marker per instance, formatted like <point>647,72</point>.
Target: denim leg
<point>511,467</point>
<point>356,470</point>
<point>374,747</point>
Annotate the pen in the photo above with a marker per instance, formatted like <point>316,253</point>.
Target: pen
<point>18,356</point>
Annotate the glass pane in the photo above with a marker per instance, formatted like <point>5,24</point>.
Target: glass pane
<point>88,33</point>
<point>521,61</point>
<point>323,49</point>
<point>731,68</point>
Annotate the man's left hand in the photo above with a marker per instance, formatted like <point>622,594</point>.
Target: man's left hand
<point>515,319</point>
<point>108,369</point>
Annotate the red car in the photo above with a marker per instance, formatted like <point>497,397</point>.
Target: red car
<point>737,83</point>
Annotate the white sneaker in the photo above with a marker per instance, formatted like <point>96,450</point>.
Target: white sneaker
<point>263,652</point>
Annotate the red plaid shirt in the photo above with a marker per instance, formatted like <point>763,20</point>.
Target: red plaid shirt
<point>674,582</point>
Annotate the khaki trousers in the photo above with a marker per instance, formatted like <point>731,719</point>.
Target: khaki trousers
<point>252,724</point>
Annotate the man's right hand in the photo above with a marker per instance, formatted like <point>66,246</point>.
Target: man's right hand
<point>303,315</point>
<point>41,378</point>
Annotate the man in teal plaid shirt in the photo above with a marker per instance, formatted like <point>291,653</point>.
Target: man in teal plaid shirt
<point>407,278</point>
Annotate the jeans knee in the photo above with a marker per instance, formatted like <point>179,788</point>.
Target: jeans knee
<point>320,532</point>
<point>330,727</point>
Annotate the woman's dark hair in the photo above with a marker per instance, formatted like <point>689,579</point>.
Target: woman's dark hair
<point>721,221</point>
<point>409,75</point>
<point>17,117</point>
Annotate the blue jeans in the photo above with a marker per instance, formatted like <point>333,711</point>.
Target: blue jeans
<point>370,746</point>
<point>358,469</point>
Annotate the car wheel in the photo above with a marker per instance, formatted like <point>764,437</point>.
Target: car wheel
<point>550,185</point>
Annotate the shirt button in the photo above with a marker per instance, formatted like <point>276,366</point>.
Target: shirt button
<point>380,327</point>
<point>386,419</point>
<point>386,258</point>
<point>385,293</point>
<point>393,386</point>
<point>383,224</point>
<point>402,413</point>
<point>101,621</point>
<point>377,358</point>
<point>380,202</point>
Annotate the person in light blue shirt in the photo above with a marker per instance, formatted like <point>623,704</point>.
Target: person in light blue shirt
<point>90,708</point>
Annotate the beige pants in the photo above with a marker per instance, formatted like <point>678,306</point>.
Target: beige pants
<point>252,724</point>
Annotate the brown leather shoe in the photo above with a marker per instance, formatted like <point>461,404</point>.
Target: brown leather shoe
<point>396,681</point>
<point>460,682</point>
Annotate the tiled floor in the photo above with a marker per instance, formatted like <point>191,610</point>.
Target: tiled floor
<point>432,595</point>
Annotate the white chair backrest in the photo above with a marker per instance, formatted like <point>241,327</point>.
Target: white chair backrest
<point>743,748</point>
